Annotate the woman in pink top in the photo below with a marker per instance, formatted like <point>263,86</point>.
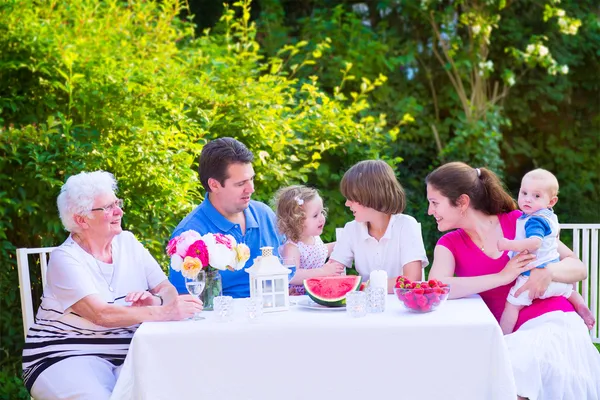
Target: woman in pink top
<point>551,351</point>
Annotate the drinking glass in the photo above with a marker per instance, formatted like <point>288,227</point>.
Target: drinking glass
<point>223,306</point>
<point>289,263</point>
<point>254,308</point>
<point>356,304</point>
<point>195,286</point>
<point>375,299</point>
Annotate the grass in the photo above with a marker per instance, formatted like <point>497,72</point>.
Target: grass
<point>597,346</point>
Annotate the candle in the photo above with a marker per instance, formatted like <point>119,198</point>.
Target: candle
<point>378,279</point>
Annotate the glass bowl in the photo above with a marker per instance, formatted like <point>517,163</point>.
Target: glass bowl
<point>422,300</point>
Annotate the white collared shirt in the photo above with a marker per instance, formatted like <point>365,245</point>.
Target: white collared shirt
<point>401,244</point>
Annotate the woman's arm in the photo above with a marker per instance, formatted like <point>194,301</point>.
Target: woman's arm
<point>96,310</point>
<point>166,290</point>
<point>568,270</point>
<point>160,295</point>
<point>444,265</point>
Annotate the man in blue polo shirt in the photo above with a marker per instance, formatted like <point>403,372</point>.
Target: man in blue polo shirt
<point>227,175</point>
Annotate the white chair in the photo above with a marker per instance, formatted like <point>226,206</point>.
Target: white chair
<point>586,247</point>
<point>25,281</point>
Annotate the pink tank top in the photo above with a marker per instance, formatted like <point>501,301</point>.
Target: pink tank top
<point>472,261</point>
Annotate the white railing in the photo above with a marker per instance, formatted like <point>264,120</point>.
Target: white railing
<point>586,247</point>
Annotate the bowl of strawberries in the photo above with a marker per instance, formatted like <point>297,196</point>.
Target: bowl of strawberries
<point>422,296</point>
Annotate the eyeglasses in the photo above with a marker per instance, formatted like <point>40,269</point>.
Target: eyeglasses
<point>108,209</point>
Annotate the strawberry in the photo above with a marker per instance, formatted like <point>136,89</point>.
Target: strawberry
<point>419,291</point>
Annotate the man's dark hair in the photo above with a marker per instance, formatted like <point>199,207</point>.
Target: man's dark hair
<point>217,155</point>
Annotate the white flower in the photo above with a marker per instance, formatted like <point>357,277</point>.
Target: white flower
<point>489,65</point>
<point>219,255</point>
<point>542,50</point>
<point>560,13</point>
<point>176,262</point>
<point>530,48</point>
<point>564,69</point>
<point>511,81</point>
<point>299,201</point>
<point>476,29</point>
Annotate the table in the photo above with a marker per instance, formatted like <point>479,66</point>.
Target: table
<point>456,352</point>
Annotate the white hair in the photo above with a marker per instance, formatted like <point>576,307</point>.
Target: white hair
<point>78,193</point>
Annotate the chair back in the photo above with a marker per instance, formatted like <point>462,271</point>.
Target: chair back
<point>25,281</point>
<point>586,247</point>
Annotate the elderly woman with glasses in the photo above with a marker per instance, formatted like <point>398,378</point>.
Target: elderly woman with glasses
<point>101,284</point>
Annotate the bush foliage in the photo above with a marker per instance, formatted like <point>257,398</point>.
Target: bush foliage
<point>137,88</point>
<point>130,88</point>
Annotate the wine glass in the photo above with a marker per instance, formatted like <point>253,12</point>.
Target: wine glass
<point>195,286</point>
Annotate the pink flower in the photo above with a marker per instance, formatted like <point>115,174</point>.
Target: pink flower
<point>172,246</point>
<point>198,250</point>
<point>222,239</point>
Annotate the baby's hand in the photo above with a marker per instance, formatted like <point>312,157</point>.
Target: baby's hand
<point>503,244</point>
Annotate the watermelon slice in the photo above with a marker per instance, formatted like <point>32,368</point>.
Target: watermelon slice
<point>331,291</point>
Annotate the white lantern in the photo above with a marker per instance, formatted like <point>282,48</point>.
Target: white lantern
<point>269,281</point>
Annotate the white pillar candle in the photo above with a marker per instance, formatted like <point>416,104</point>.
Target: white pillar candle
<point>379,278</point>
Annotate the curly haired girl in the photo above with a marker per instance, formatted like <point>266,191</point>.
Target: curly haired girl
<point>301,218</point>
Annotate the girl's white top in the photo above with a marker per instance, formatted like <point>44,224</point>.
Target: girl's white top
<point>311,256</point>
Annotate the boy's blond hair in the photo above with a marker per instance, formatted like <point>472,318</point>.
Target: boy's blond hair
<point>550,181</point>
<point>373,184</point>
<point>289,208</point>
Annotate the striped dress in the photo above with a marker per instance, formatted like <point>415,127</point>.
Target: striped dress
<point>59,333</point>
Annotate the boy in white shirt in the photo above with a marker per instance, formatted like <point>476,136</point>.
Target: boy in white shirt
<point>380,237</point>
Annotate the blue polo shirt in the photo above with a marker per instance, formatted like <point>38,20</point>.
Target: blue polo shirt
<point>261,231</point>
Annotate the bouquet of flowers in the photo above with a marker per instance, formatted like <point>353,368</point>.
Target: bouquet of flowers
<point>191,252</point>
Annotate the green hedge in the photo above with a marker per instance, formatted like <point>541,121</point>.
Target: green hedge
<point>129,88</point>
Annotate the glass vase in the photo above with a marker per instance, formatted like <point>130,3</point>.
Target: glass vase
<point>213,288</point>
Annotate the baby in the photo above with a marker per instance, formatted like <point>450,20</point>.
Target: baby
<point>537,232</point>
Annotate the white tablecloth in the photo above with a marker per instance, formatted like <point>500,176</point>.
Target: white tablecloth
<point>455,352</point>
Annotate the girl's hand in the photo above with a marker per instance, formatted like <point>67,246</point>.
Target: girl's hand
<point>141,299</point>
<point>537,284</point>
<point>333,268</point>
<point>516,266</point>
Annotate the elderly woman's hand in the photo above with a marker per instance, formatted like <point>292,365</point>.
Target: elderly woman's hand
<point>141,299</point>
<point>184,306</point>
<point>537,284</point>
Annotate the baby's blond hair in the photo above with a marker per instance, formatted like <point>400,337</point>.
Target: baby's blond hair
<point>547,177</point>
<point>289,208</point>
